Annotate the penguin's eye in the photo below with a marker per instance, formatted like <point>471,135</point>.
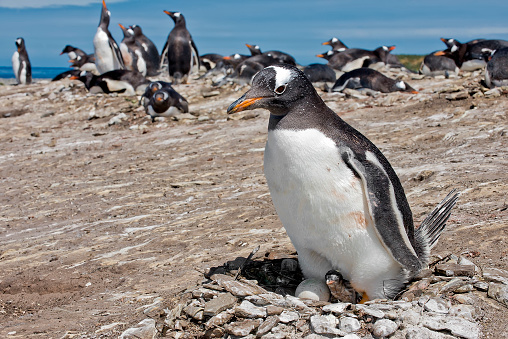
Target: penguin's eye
<point>279,90</point>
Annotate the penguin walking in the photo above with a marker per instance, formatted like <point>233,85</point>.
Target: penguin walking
<point>166,102</point>
<point>153,59</point>
<point>337,196</point>
<point>180,50</point>
<point>369,78</point>
<point>107,53</point>
<point>21,64</point>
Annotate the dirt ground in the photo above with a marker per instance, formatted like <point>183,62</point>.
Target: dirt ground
<point>99,220</point>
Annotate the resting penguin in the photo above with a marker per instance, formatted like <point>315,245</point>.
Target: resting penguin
<point>150,90</point>
<point>433,65</point>
<point>320,73</point>
<point>21,64</point>
<point>337,196</point>
<point>116,81</point>
<point>107,53</point>
<point>180,50</point>
<point>336,44</point>
<point>281,57</point>
<point>371,79</point>
<point>166,102</point>
<point>496,72</point>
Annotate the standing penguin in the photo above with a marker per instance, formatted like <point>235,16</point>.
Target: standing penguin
<point>21,64</point>
<point>180,49</point>
<point>134,55</point>
<point>150,48</point>
<point>107,53</point>
<point>338,197</point>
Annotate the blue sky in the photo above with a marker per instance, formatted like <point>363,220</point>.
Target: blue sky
<point>296,27</point>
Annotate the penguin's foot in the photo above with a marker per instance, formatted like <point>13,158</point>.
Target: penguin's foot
<point>365,298</point>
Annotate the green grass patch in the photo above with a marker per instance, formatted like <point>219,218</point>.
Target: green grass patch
<point>411,62</point>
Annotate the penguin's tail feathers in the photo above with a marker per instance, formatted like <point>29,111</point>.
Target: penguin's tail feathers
<point>427,235</point>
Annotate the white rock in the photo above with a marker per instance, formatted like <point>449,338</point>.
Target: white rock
<point>117,119</point>
<point>248,310</point>
<point>325,324</point>
<point>463,311</point>
<point>336,308</point>
<point>384,328</point>
<point>457,326</point>
<point>313,289</point>
<point>143,330</point>
<point>348,324</point>
<point>371,311</point>
<point>288,316</point>
<point>437,305</point>
<point>418,332</point>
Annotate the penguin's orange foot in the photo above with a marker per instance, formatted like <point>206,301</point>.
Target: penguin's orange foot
<point>365,298</point>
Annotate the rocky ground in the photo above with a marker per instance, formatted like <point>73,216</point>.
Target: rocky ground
<point>109,220</point>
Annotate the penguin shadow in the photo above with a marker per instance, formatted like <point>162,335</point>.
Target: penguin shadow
<point>281,275</point>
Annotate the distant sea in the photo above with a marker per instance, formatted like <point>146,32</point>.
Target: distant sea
<point>37,72</point>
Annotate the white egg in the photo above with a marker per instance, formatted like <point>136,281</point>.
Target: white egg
<point>313,289</point>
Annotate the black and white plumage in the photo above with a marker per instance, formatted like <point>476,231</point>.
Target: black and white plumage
<point>21,63</point>
<point>337,196</point>
<point>320,73</point>
<point>116,81</point>
<point>180,50</point>
<point>281,57</point>
<point>79,59</point>
<point>107,53</point>
<point>153,59</point>
<point>166,102</point>
<point>370,79</point>
<point>335,44</point>
<point>150,90</point>
<point>470,56</point>
<point>353,58</point>
<point>496,72</point>
<point>134,55</point>
<point>433,65</point>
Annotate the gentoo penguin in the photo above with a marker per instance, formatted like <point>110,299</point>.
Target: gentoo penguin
<point>336,44</point>
<point>210,60</point>
<point>73,53</point>
<point>319,73</point>
<point>116,81</point>
<point>70,74</point>
<point>107,53</point>
<point>150,90</point>
<point>371,79</point>
<point>246,69</point>
<point>21,64</point>
<point>496,72</point>
<point>353,58</point>
<point>79,59</point>
<point>166,102</point>
<point>134,55</point>
<point>339,199</point>
<point>180,50</point>
<point>471,55</point>
<point>433,65</point>
<point>153,60</point>
<point>281,57</point>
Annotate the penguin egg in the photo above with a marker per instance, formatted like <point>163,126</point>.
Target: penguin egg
<point>313,289</point>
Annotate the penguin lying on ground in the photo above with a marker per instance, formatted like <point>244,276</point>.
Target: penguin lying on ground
<point>166,102</point>
<point>150,90</point>
<point>337,196</point>
<point>371,79</point>
<point>281,57</point>
<point>21,64</point>
<point>433,65</point>
<point>496,72</point>
<point>320,73</point>
<point>353,58</point>
<point>116,81</point>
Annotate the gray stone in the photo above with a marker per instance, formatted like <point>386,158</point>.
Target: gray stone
<point>289,265</point>
<point>457,95</point>
<point>325,324</point>
<point>336,308</point>
<point>273,310</point>
<point>437,305</point>
<point>315,336</point>
<point>248,310</point>
<point>384,328</point>
<point>219,304</point>
<point>411,317</point>
<point>456,325</point>
<point>218,320</point>
<point>481,286</point>
<point>464,298</point>
<point>204,293</point>
<point>495,275</point>
<point>145,329</point>
<point>117,119</point>
<point>418,332</point>
<point>498,292</point>
<point>242,328</point>
<point>267,325</point>
<point>348,324</point>
<point>452,285</point>
<point>454,270</point>
<point>267,299</point>
<point>464,289</point>
<point>351,336</point>
<point>463,311</point>
<point>288,316</point>
<point>370,311</point>
<point>194,310</point>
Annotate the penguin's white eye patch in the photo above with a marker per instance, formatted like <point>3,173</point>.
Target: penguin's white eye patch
<point>279,90</point>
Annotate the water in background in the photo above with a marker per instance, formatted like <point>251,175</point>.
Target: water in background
<point>37,72</point>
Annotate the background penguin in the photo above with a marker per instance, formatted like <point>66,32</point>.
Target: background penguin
<point>337,196</point>
<point>21,64</point>
<point>471,55</point>
<point>180,49</point>
<point>335,44</point>
<point>79,59</point>
<point>496,72</point>
<point>116,81</point>
<point>371,79</point>
<point>73,53</point>
<point>166,102</point>
<point>153,60</point>
<point>353,58</point>
<point>210,60</point>
<point>433,65</point>
<point>320,73</point>
<point>107,53</point>
<point>134,55</point>
<point>281,57</point>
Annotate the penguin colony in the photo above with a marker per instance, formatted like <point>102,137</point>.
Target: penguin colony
<point>338,197</point>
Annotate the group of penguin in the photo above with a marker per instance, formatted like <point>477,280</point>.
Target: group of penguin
<point>123,68</point>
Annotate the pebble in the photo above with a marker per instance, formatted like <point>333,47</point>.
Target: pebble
<point>248,310</point>
<point>495,275</point>
<point>384,328</point>
<point>267,325</point>
<point>336,308</point>
<point>288,316</point>
<point>243,327</point>
<point>325,324</point>
<point>219,304</point>
<point>437,305</point>
<point>498,292</point>
<point>117,119</point>
<point>348,324</point>
<point>145,329</point>
<point>457,326</point>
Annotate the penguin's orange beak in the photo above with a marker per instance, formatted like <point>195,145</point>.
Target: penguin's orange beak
<point>227,58</point>
<point>74,77</point>
<point>415,92</point>
<point>440,53</point>
<point>320,55</point>
<point>168,13</point>
<point>122,27</point>
<point>391,48</point>
<point>241,104</point>
<point>326,43</point>
<point>443,40</point>
<point>104,4</point>
<point>249,46</point>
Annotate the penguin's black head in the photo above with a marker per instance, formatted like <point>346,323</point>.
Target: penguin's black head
<point>20,43</point>
<point>105,15</point>
<point>137,30</point>
<point>276,88</point>
<point>177,17</point>
<point>68,49</point>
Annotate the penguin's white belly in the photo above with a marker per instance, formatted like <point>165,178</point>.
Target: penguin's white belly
<point>473,65</point>
<point>323,208</point>
<point>105,59</point>
<point>15,65</point>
